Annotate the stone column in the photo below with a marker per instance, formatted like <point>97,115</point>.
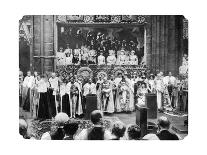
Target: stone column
<point>48,43</point>
<point>43,43</point>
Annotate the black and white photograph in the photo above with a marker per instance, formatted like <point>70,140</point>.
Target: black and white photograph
<point>103,77</point>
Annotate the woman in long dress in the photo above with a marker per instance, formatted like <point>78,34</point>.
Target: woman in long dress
<point>124,96</point>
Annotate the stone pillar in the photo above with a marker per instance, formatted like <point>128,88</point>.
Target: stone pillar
<point>37,43</point>
<point>43,43</point>
<point>48,43</point>
<point>164,43</point>
<point>148,40</point>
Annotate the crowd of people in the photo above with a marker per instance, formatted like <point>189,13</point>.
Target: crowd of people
<point>99,48</point>
<point>45,96</point>
<point>66,130</point>
<point>85,55</point>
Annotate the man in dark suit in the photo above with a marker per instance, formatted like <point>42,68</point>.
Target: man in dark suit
<point>164,133</point>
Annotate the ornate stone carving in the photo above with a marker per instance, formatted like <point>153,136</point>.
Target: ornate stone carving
<point>88,19</point>
<point>139,19</point>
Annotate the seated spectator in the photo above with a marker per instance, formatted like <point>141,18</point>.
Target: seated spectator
<point>97,132</point>
<point>118,130</point>
<point>70,130</point>
<point>23,128</point>
<point>133,132</point>
<point>61,118</point>
<point>164,126</point>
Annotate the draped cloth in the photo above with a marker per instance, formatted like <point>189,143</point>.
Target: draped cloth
<point>124,97</point>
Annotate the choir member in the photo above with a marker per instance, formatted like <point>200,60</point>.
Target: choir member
<point>101,59</point>
<point>133,60</point>
<point>68,55</point>
<point>60,57</point>
<point>121,58</point>
<point>84,55</point>
<point>43,109</point>
<point>77,56</point>
<point>26,93</point>
<point>92,57</point>
<point>53,89</point>
<point>111,59</point>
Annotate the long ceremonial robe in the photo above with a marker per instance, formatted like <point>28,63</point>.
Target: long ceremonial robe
<point>124,97</point>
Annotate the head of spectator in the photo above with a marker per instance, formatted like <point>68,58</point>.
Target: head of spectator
<point>164,133</point>
<point>96,117</point>
<point>163,123</point>
<point>23,128</point>
<point>118,130</point>
<point>61,118</point>
<point>58,134</point>
<point>70,129</point>
<point>133,132</point>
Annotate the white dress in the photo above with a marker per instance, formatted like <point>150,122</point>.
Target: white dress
<point>101,60</point>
